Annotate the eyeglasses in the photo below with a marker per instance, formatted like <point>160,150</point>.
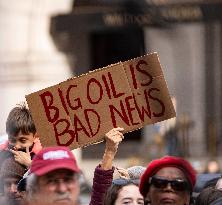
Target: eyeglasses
<point>69,180</point>
<point>121,181</point>
<point>176,184</point>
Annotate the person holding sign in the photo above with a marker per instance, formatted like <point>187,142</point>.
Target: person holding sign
<point>54,174</point>
<point>168,180</point>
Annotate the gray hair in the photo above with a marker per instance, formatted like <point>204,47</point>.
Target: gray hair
<point>32,186</point>
<point>136,172</point>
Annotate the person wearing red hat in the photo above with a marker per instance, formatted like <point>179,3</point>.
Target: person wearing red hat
<point>53,178</point>
<point>54,174</point>
<point>168,180</point>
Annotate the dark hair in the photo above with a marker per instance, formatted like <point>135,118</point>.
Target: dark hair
<point>208,195</point>
<point>19,119</point>
<point>113,191</point>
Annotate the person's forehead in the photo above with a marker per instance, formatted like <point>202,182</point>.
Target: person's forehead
<point>26,136</point>
<point>171,172</point>
<point>130,190</point>
<point>11,179</point>
<point>60,173</point>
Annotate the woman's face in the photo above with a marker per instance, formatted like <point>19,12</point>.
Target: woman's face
<point>129,195</point>
<point>167,195</point>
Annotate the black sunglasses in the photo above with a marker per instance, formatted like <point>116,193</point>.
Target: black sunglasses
<point>176,184</point>
<point>121,181</point>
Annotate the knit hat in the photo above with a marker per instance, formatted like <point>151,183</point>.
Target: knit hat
<point>167,161</point>
<point>135,172</point>
<point>52,158</point>
<point>11,168</point>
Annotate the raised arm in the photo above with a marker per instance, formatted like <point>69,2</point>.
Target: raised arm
<point>103,174</point>
<point>113,138</point>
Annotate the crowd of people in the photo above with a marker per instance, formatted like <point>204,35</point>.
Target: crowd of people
<point>31,174</point>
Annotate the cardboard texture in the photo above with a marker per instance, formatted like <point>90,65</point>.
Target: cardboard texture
<point>79,111</point>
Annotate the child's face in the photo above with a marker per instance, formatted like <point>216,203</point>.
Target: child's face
<point>22,141</point>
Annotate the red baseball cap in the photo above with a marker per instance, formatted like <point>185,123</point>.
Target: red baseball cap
<point>52,158</point>
<point>167,161</point>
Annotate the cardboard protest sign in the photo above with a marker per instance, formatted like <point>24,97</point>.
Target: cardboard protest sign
<point>79,111</point>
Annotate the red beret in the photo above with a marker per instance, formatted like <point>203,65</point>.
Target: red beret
<point>167,161</point>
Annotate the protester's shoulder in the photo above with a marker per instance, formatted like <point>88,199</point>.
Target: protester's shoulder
<point>206,180</point>
<point>6,201</point>
<point>2,199</point>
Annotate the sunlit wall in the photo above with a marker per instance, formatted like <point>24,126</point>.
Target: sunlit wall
<point>29,60</point>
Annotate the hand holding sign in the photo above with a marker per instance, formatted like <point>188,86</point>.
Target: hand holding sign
<point>113,138</point>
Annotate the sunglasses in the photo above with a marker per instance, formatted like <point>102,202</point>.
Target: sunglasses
<point>176,184</point>
<point>121,181</point>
